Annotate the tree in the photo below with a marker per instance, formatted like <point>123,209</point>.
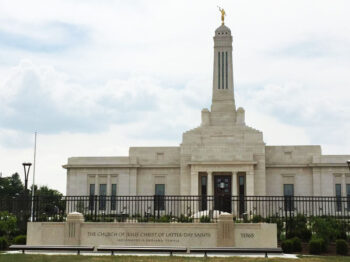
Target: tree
<point>49,203</point>
<point>11,186</point>
<point>44,191</point>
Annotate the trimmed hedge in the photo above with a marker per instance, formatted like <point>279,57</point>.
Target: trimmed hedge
<point>291,245</point>
<point>296,244</point>
<point>287,246</point>
<point>342,247</point>
<point>20,240</point>
<point>4,244</point>
<point>317,246</point>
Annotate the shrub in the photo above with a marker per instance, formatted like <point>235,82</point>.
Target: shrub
<point>317,246</point>
<point>164,219</point>
<point>8,223</point>
<point>305,234</point>
<point>298,228</point>
<point>20,240</point>
<point>287,246</point>
<point>204,219</point>
<point>342,247</point>
<point>296,244</point>
<point>257,219</point>
<point>324,245</point>
<point>185,219</point>
<point>327,228</point>
<point>3,243</point>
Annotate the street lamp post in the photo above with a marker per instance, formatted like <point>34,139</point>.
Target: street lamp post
<point>26,167</point>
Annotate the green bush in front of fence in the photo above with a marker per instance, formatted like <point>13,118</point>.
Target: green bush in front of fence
<point>342,247</point>
<point>164,219</point>
<point>205,219</point>
<point>296,244</point>
<point>257,219</point>
<point>20,240</point>
<point>317,246</point>
<point>8,224</point>
<point>327,228</point>
<point>287,246</point>
<point>184,219</point>
<point>291,245</point>
<point>298,228</point>
<point>3,243</point>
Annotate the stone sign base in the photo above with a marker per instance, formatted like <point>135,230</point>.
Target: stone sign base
<point>224,233</point>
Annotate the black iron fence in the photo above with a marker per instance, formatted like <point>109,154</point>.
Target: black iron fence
<point>185,209</point>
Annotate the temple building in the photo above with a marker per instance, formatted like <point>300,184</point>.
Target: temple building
<point>221,157</point>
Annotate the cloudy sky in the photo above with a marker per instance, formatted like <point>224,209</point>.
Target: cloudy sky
<point>95,77</point>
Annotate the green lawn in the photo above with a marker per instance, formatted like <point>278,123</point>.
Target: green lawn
<point>66,258</point>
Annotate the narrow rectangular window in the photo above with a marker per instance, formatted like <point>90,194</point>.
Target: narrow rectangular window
<point>288,192</point>
<point>92,190</point>
<point>103,192</point>
<point>113,197</point>
<point>203,184</point>
<point>338,197</point>
<point>91,197</point>
<point>223,69</point>
<point>241,193</point>
<point>348,196</point>
<point>226,70</point>
<point>159,197</point>
<point>218,70</point>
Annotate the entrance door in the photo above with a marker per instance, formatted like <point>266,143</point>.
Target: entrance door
<point>222,192</point>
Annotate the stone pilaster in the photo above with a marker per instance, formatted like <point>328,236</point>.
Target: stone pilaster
<point>210,183</point>
<point>194,183</point>
<point>250,183</point>
<point>225,235</point>
<point>72,228</point>
<point>133,182</point>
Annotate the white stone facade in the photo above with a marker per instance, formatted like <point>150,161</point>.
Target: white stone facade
<point>222,150</point>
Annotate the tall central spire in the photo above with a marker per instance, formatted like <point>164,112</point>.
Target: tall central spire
<point>223,109</point>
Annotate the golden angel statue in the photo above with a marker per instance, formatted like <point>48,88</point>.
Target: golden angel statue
<point>222,14</point>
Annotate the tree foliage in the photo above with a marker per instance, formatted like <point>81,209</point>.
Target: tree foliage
<point>11,186</point>
<point>8,224</point>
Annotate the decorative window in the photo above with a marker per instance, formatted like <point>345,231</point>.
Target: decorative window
<point>92,189</point>
<point>103,193</point>
<point>113,196</point>
<point>159,197</point>
<point>226,70</point>
<point>160,156</point>
<point>204,183</point>
<point>348,196</point>
<point>223,69</point>
<point>288,154</point>
<point>288,192</point>
<point>338,197</point>
<point>218,70</point>
<point>91,197</point>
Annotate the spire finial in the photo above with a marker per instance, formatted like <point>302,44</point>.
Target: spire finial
<point>223,13</point>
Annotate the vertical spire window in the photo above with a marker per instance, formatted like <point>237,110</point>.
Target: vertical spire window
<point>223,70</point>
<point>226,69</point>
<point>218,70</point>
